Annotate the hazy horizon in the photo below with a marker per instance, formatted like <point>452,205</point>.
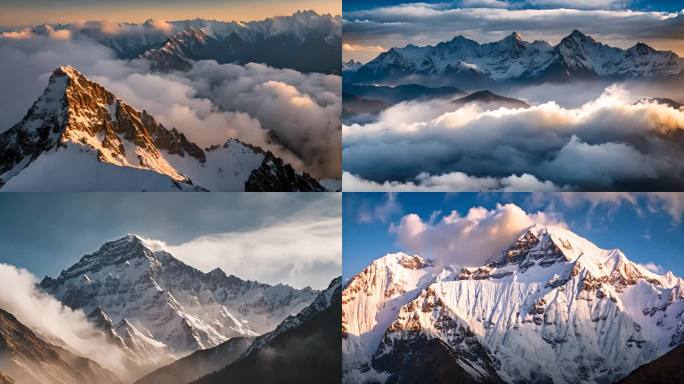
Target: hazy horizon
<point>20,14</point>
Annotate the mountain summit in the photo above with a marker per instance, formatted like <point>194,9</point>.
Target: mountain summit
<point>80,137</point>
<point>553,307</point>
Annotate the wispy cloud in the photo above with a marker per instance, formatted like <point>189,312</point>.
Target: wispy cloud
<point>301,252</point>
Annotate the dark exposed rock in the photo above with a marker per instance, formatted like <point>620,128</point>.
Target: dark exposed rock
<point>275,175</point>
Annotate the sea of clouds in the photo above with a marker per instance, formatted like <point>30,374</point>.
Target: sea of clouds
<point>295,115</point>
<point>611,142</point>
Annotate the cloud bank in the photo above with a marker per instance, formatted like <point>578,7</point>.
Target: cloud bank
<point>305,252</point>
<point>484,21</point>
<point>294,115</point>
<point>472,239</point>
<point>609,143</point>
<point>53,321</point>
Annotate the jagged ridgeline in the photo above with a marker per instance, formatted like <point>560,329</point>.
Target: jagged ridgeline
<point>552,308</point>
<point>78,136</point>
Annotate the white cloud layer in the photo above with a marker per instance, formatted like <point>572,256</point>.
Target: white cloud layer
<point>305,252</point>
<point>609,143</point>
<point>472,239</point>
<point>448,182</point>
<point>53,321</point>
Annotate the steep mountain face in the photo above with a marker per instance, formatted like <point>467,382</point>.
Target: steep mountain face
<point>552,308</point>
<point>305,41</point>
<point>665,369</point>
<point>28,359</point>
<point>79,137</point>
<point>155,303</point>
<point>200,363</point>
<point>467,63</point>
<point>303,349</point>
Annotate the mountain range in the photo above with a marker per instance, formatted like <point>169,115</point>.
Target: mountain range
<point>304,41</point>
<point>552,308</point>
<point>466,63</point>
<point>156,303</point>
<point>78,136</point>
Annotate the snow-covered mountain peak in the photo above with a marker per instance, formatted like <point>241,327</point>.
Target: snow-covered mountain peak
<point>552,306</point>
<point>151,302</point>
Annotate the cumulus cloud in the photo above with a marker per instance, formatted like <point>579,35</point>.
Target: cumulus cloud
<point>472,239</point>
<point>305,252</point>
<point>294,115</point>
<point>421,23</point>
<point>609,143</point>
<point>54,322</point>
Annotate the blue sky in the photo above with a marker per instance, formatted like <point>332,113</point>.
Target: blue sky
<point>261,236</point>
<point>646,227</point>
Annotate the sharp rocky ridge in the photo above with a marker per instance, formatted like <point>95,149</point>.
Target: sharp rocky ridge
<point>78,136</point>
<point>155,307</point>
<point>553,307</point>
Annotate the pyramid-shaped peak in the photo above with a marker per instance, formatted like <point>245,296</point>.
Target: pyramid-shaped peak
<point>578,35</point>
